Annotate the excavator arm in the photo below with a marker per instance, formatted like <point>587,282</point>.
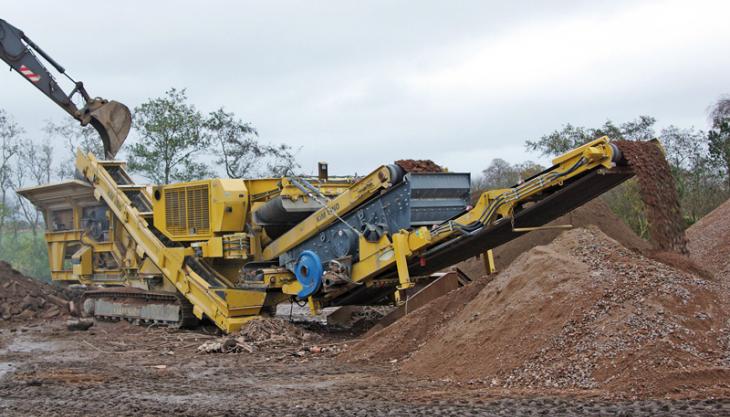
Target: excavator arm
<point>110,118</point>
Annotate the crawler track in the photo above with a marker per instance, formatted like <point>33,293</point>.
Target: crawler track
<point>126,297</point>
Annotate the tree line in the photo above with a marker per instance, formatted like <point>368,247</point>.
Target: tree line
<point>700,163</point>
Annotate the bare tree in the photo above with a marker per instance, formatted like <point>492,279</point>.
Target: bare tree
<point>502,174</point>
<point>9,134</point>
<point>33,167</point>
<point>74,136</point>
<point>570,136</point>
<point>719,136</point>
<point>720,111</point>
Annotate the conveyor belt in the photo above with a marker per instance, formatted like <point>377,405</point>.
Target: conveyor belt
<point>565,199</point>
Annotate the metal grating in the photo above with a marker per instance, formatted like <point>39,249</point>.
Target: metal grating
<point>198,221</point>
<point>187,211</point>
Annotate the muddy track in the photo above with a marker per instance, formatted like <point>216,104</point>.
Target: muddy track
<point>118,369</point>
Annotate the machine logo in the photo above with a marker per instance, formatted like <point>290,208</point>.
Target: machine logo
<point>29,74</point>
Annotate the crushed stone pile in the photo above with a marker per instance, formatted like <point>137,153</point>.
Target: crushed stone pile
<point>659,194</point>
<point>419,165</point>
<point>24,299</point>
<point>709,241</point>
<point>261,333</point>
<point>595,212</point>
<point>581,313</point>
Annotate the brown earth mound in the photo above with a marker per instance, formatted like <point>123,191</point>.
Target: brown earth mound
<point>595,212</point>
<point>709,241</point>
<point>408,334</point>
<point>659,194</point>
<point>581,313</point>
<point>418,165</point>
<point>25,299</point>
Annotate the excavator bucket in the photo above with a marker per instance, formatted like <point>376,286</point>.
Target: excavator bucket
<point>112,120</point>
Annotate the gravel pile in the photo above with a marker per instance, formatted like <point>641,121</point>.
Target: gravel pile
<point>581,313</point>
<point>709,241</point>
<point>650,327</point>
<point>418,165</point>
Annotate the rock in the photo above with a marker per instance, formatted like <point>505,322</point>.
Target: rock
<point>229,345</point>
<point>57,300</point>
<point>73,308</point>
<point>52,312</point>
<point>79,324</point>
<point>26,314</point>
<point>29,302</point>
<point>210,347</point>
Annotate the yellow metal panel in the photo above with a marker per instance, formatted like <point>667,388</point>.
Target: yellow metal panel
<point>488,259</point>
<point>148,268</point>
<point>402,252</point>
<point>82,262</point>
<point>198,210</point>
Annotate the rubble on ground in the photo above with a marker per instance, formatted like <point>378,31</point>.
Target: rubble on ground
<point>24,299</point>
<point>261,333</point>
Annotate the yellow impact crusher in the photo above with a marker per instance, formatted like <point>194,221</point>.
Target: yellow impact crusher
<point>230,250</point>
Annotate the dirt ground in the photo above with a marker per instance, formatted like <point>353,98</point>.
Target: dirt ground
<point>117,369</point>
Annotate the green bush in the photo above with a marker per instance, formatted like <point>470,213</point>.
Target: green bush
<point>26,252</point>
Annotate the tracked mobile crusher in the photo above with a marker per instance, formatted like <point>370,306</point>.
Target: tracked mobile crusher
<point>229,250</point>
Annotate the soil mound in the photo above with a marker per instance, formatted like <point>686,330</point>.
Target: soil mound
<point>418,165</point>
<point>25,299</point>
<point>581,313</point>
<point>409,333</point>
<point>659,194</point>
<point>595,212</point>
<point>709,241</point>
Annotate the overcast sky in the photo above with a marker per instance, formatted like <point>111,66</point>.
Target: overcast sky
<point>362,83</point>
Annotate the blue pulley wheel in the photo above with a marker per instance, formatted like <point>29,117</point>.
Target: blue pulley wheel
<point>309,273</point>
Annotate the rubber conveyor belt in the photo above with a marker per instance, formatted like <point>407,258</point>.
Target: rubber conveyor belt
<point>570,196</point>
